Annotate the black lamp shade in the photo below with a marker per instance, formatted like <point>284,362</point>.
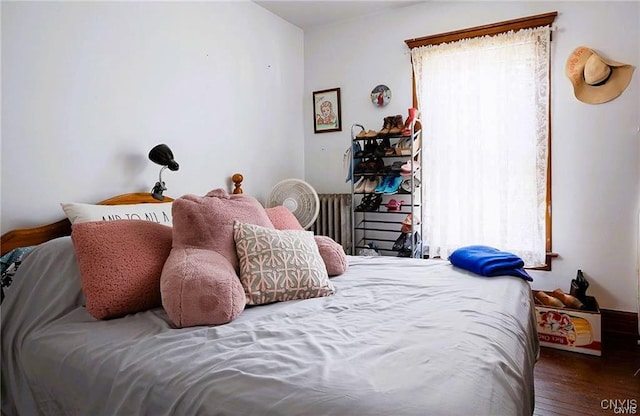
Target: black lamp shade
<point>163,156</point>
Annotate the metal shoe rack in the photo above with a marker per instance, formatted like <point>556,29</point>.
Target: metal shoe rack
<point>372,223</point>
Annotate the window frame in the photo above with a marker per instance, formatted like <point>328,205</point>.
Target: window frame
<point>545,19</point>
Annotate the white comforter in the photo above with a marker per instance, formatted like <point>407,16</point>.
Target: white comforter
<point>399,337</point>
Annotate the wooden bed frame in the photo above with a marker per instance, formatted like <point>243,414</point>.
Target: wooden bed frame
<point>32,236</point>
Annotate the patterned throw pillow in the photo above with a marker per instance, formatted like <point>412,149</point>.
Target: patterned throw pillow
<point>279,265</point>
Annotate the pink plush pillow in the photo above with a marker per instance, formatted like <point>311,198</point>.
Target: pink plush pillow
<point>333,255</point>
<point>282,218</point>
<point>199,283</point>
<point>120,263</point>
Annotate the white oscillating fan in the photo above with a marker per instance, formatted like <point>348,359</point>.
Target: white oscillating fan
<point>298,197</point>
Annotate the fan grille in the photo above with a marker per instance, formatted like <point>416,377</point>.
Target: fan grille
<point>298,197</point>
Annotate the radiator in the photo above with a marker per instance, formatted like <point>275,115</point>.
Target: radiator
<point>334,219</point>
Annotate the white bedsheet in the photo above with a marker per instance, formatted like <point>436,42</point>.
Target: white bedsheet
<point>399,337</point>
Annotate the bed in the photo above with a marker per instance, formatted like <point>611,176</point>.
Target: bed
<point>398,337</point>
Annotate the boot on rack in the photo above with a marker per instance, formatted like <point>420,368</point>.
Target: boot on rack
<point>388,121</point>
<point>396,124</point>
<point>413,113</point>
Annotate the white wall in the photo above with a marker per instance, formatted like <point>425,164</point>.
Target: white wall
<point>596,178</point>
<point>88,88</point>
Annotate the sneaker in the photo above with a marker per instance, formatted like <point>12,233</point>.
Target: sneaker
<point>383,185</point>
<point>393,185</point>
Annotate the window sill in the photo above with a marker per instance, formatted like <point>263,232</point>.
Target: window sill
<point>547,266</point>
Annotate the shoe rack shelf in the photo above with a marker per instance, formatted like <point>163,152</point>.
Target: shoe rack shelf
<point>387,168</point>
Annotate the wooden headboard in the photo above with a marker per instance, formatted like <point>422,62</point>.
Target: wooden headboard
<point>32,236</point>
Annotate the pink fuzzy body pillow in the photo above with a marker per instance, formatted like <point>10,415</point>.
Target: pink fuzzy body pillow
<point>120,263</point>
<point>200,287</point>
<point>207,222</point>
<point>200,284</point>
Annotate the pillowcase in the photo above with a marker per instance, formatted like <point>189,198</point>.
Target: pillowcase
<point>282,218</point>
<point>159,213</point>
<point>120,263</point>
<point>279,265</point>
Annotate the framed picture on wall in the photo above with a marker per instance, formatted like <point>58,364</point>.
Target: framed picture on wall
<point>326,111</point>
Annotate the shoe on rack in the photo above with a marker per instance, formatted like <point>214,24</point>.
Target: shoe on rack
<point>371,184</point>
<point>386,126</point>
<point>408,220</point>
<point>371,165</point>
<point>358,187</point>
<point>374,203</point>
<point>393,185</point>
<point>376,165</point>
<point>371,134</point>
<point>412,244</point>
<point>362,134</point>
<point>399,243</point>
<point>406,130</point>
<point>370,148</point>
<point>407,224</point>
<point>396,125</point>
<point>393,205</point>
<point>412,241</point>
<point>396,166</point>
<point>403,147</point>
<point>408,241</point>
<point>365,202</point>
<point>383,147</point>
<point>405,186</point>
<point>383,185</point>
<point>409,168</point>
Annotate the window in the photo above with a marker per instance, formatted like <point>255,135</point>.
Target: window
<point>484,103</point>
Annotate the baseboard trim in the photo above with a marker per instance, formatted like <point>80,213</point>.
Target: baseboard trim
<point>619,323</point>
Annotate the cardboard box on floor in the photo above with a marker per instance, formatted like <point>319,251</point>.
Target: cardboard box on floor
<point>577,330</point>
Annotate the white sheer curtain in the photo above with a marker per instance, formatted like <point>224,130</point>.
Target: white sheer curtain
<point>484,105</point>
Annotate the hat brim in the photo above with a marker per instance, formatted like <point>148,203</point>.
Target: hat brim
<point>618,81</point>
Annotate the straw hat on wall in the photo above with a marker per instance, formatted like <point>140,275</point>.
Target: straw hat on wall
<point>595,79</point>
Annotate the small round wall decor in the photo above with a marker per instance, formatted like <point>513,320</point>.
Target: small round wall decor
<point>380,95</point>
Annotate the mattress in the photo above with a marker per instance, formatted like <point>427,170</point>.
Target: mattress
<point>399,337</point>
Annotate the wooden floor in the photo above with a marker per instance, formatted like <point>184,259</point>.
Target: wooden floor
<point>569,383</point>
